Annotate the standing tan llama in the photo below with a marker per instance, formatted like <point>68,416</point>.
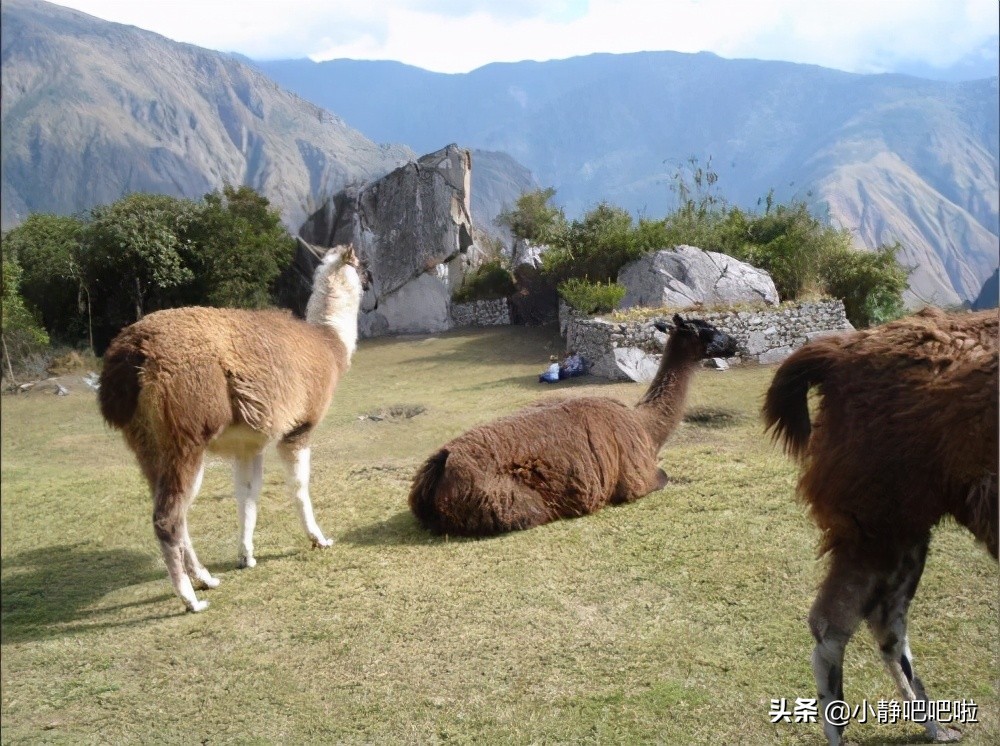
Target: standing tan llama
<point>184,381</point>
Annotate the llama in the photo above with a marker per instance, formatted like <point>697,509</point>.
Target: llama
<point>184,381</point>
<point>565,458</point>
<point>905,434</point>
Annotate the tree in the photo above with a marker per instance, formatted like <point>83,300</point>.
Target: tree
<point>596,246</point>
<point>54,278</point>
<point>238,248</point>
<point>20,332</point>
<point>534,219</point>
<point>135,250</point>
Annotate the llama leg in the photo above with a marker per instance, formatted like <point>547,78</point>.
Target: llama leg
<point>833,619</point>
<point>196,571</point>
<point>296,457</point>
<point>887,621</point>
<point>248,478</point>
<point>170,504</point>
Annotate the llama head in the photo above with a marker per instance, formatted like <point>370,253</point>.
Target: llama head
<point>341,263</point>
<point>698,338</point>
<point>338,284</point>
<point>349,257</point>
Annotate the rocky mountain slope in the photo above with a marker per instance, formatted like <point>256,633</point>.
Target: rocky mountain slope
<point>93,110</point>
<point>890,157</point>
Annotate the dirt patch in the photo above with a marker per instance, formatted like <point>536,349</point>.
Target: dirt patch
<point>394,413</point>
<point>713,417</point>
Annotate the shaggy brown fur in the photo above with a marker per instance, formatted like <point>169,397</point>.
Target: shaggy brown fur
<point>185,381</point>
<point>565,458</point>
<point>905,434</point>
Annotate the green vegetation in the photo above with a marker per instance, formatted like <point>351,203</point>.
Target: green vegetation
<point>672,620</point>
<point>591,297</point>
<point>804,256</point>
<point>489,281</point>
<point>871,284</point>
<point>534,219</point>
<point>91,275</point>
<point>21,333</point>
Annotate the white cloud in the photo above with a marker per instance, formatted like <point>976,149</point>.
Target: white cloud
<point>457,36</point>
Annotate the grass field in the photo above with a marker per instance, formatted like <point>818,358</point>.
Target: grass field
<point>672,620</point>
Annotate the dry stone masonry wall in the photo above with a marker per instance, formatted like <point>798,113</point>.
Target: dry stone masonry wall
<point>630,350</point>
<point>481,313</point>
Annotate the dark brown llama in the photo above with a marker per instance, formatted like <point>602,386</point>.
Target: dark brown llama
<point>565,458</point>
<point>905,434</point>
<point>181,382</point>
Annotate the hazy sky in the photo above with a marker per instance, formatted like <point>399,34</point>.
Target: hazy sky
<point>460,35</point>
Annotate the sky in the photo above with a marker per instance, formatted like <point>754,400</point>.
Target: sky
<point>455,36</point>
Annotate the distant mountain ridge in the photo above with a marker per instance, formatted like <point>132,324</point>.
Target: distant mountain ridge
<point>888,156</point>
<point>94,110</point>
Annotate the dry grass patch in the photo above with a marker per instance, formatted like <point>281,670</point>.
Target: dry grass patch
<point>671,620</point>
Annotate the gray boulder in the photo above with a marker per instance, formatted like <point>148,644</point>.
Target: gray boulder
<point>626,364</point>
<point>413,229</point>
<point>686,276</point>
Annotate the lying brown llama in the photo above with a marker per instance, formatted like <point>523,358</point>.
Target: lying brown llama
<point>184,381</point>
<point>905,434</point>
<point>565,458</point>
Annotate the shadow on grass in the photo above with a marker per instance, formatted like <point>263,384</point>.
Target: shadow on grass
<point>531,382</point>
<point>44,589</point>
<point>402,529</point>
<point>523,346</point>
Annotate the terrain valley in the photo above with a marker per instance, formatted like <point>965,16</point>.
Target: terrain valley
<point>93,110</point>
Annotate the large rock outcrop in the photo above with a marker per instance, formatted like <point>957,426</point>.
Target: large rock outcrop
<point>413,228</point>
<point>687,276</point>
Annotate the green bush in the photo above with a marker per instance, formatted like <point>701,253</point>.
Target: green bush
<point>870,283</point>
<point>803,254</point>
<point>490,281</point>
<point>599,244</point>
<point>591,297</point>
<point>534,219</point>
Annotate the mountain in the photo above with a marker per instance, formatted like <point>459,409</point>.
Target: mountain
<point>886,156</point>
<point>989,296</point>
<point>93,110</point>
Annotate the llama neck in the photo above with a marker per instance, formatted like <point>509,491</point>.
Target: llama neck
<point>334,304</point>
<point>662,406</point>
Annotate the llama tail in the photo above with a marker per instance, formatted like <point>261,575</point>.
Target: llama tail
<point>424,489</point>
<point>786,407</point>
<point>118,395</point>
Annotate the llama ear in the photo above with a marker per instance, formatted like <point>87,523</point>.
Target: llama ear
<point>679,322</point>
<point>350,256</point>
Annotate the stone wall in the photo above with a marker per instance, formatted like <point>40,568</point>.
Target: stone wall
<point>631,350</point>
<point>481,313</point>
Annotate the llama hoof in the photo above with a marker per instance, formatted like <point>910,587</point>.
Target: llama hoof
<point>195,606</point>
<point>321,543</point>
<point>245,562</point>
<point>206,582</point>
